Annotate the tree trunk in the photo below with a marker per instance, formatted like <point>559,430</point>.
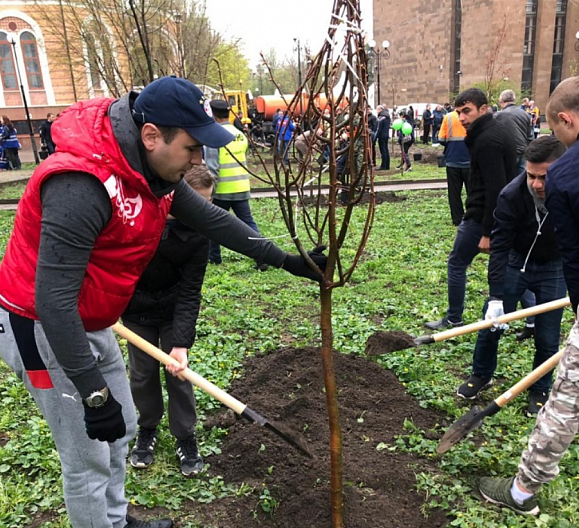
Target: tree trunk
<point>336,491</point>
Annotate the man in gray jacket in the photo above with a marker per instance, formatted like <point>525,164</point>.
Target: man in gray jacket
<point>520,123</point>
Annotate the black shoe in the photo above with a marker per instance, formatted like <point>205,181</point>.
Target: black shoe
<point>528,331</point>
<point>537,400</point>
<point>215,262</point>
<point>398,167</point>
<point>135,523</point>
<point>142,453</point>
<point>191,461</point>
<point>442,324</point>
<point>470,389</point>
<point>261,266</point>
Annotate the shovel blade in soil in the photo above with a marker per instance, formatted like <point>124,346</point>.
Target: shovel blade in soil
<point>460,429</point>
<point>291,437</point>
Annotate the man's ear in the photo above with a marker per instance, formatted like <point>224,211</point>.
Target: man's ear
<point>150,135</point>
<point>569,119</point>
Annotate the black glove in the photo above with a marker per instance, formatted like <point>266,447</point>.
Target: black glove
<point>105,423</point>
<point>298,266</point>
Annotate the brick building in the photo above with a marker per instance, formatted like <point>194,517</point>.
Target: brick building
<point>440,48</point>
<point>57,52</point>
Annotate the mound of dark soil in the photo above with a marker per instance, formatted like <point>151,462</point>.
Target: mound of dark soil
<point>287,388</point>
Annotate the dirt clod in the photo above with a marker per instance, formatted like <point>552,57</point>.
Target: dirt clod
<point>386,342</point>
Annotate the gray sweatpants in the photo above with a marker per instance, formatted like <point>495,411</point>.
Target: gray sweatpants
<point>93,472</point>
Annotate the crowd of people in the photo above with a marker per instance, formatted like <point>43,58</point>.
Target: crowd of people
<point>124,224</point>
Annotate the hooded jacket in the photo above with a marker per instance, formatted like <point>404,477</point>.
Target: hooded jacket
<point>514,237</point>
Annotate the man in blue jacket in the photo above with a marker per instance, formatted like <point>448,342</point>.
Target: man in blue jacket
<point>558,421</point>
<point>524,255</point>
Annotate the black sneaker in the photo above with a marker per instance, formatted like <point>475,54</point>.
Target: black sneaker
<point>261,266</point>
<point>142,453</point>
<point>442,324</point>
<point>528,332</point>
<point>472,386</point>
<point>189,458</point>
<point>498,491</point>
<point>135,523</point>
<point>537,400</point>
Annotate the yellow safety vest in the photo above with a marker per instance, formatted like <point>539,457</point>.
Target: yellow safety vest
<point>233,178</point>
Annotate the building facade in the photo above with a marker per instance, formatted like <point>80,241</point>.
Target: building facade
<point>439,48</point>
<point>56,52</point>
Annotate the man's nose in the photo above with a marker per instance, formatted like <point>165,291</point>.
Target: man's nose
<point>196,157</point>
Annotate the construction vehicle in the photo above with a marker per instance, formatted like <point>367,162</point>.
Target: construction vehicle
<point>238,102</point>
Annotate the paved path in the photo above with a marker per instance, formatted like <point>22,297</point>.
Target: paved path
<point>11,177</point>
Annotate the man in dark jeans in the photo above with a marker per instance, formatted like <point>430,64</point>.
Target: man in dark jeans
<point>382,135</point>
<point>524,255</point>
<point>493,158</point>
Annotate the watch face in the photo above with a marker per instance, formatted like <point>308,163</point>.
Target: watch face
<point>97,400</point>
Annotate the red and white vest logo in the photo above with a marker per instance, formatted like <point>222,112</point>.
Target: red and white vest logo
<point>127,208</point>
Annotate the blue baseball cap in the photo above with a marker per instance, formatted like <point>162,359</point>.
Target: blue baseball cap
<point>176,102</point>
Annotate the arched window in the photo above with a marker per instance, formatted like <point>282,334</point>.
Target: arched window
<point>31,61</point>
<point>7,69</point>
<point>93,60</point>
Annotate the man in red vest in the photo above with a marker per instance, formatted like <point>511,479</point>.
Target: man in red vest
<point>88,223</point>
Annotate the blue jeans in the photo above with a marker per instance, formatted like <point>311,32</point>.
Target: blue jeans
<point>546,281</point>
<point>465,249</point>
<point>243,212</point>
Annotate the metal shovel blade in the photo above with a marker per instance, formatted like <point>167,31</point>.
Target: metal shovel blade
<point>290,436</point>
<point>460,429</point>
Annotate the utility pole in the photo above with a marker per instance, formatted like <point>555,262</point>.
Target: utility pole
<point>31,130</point>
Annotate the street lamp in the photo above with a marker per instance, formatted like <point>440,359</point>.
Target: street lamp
<point>178,18</point>
<point>378,54</point>
<point>297,41</point>
<point>30,129</point>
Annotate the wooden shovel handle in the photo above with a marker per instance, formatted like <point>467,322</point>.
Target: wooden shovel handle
<point>529,379</point>
<point>507,318</point>
<point>193,377</point>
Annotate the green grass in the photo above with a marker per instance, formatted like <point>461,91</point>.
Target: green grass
<point>12,191</point>
<point>400,284</point>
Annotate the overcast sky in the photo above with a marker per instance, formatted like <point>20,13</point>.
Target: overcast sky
<point>266,24</point>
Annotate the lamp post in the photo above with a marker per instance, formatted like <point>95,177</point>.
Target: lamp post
<point>178,18</point>
<point>30,129</point>
<point>297,41</point>
<point>378,54</point>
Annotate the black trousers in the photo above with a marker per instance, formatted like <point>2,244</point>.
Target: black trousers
<point>384,154</point>
<point>145,380</point>
<point>426,133</point>
<point>456,177</point>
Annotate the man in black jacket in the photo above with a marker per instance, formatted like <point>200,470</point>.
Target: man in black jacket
<point>493,156</point>
<point>524,255</point>
<point>382,135</point>
<point>427,121</point>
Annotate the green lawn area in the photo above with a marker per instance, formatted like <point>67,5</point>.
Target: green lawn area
<point>399,284</point>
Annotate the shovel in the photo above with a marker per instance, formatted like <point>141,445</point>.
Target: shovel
<point>482,325</point>
<point>291,437</point>
<point>473,418</point>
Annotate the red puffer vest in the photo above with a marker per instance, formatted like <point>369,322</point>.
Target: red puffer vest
<point>86,143</point>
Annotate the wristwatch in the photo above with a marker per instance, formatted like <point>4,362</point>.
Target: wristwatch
<point>97,398</point>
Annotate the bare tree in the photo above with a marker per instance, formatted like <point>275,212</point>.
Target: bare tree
<point>115,45</point>
<point>330,111</point>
